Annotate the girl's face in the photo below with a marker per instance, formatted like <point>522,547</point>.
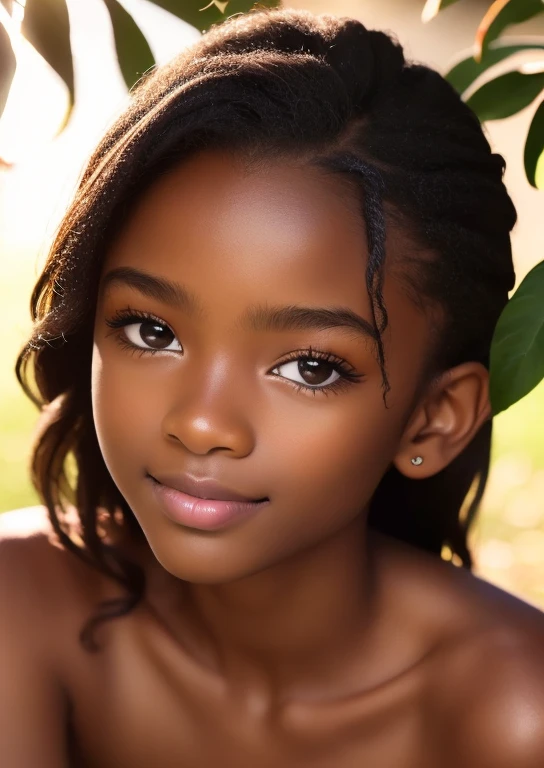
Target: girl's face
<point>197,389</point>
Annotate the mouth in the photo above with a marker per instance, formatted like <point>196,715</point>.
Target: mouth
<point>199,512</point>
<point>203,489</point>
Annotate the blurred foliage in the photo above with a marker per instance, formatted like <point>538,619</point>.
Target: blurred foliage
<point>517,351</point>
<point>7,67</point>
<point>46,26</point>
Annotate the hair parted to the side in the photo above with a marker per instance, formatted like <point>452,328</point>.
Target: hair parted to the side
<point>281,83</point>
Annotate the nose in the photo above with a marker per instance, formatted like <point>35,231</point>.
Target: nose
<point>211,412</point>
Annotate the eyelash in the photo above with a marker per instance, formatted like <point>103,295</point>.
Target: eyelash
<point>128,316</point>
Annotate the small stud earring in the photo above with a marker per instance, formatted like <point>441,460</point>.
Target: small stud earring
<point>417,461</point>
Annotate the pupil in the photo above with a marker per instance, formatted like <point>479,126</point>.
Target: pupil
<point>156,335</point>
<point>308,371</point>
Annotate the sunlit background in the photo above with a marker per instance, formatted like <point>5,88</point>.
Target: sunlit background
<point>508,541</point>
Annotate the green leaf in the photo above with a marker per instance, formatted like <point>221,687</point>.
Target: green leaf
<point>467,70</point>
<point>500,15</point>
<point>433,7</point>
<point>133,51</point>
<point>8,65</point>
<point>202,14</point>
<point>517,349</point>
<point>539,172</point>
<point>506,95</point>
<point>47,27</point>
<point>534,147</point>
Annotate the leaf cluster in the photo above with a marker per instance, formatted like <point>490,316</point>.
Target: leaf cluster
<point>517,350</point>
<point>46,25</point>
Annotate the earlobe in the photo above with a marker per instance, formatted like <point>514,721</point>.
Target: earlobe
<point>446,420</point>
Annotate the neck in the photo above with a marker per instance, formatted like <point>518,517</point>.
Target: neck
<point>294,630</point>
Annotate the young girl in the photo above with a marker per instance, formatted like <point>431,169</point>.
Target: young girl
<point>261,353</point>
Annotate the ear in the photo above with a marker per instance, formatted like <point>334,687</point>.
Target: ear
<point>449,414</point>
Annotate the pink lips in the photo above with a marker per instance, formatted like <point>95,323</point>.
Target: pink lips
<point>207,514</point>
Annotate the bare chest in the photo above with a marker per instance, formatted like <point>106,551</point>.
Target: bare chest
<point>138,704</point>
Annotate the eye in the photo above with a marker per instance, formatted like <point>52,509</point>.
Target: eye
<point>140,330</point>
<point>316,371</point>
<point>150,334</point>
<point>311,372</point>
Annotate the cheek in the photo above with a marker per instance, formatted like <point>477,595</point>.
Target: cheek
<point>123,422</point>
<point>322,463</point>
<point>336,458</point>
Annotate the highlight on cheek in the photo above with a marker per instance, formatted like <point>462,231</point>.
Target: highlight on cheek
<point>319,371</point>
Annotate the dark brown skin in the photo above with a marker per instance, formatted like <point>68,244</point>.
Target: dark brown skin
<point>297,637</point>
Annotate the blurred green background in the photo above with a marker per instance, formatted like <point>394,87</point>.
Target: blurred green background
<point>508,541</point>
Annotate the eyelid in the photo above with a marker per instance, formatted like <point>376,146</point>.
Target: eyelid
<point>122,316</point>
<point>316,354</point>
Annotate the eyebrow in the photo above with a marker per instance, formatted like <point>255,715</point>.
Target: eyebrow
<point>258,318</point>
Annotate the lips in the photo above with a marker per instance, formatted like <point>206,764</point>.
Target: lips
<point>205,488</point>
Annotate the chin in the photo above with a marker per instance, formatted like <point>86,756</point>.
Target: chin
<point>200,557</point>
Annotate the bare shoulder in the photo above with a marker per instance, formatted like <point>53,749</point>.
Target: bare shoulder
<point>42,574</point>
<point>486,674</point>
<point>31,523</point>
<point>33,700</point>
<point>450,603</point>
<point>26,538</point>
<point>28,542</point>
<point>489,697</point>
<point>25,522</point>
<point>484,668</point>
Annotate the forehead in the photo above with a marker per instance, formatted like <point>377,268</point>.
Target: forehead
<point>280,233</point>
<point>267,226</point>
